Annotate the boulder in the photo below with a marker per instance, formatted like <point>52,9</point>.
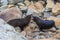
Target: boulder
<point>31,6</point>
<point>56,9</point>
<point>11,13</point>
<point>22,6</point>
<point>11,5</point>
<point>27,2</point>
<point>50,4</point>
<point>57,20</point>
<point>57,35</point>
<point>7,32</point>
<point>4,2</point>
<point>2,8</point>
<point>35,8</point>
<point>31,9</point>
<point>14,1</point>
<point>39,6</point>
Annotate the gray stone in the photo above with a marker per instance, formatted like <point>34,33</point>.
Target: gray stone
<point>7,32</point>
<point>14,1</point>
<point>4,2</point>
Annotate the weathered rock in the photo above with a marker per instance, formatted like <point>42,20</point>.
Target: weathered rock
<point>35,8</point>
<point>50,4</point>
<point>2,8</point>
<point>31,11</point>
<point>0,3</point>
<point>33,0</point>
<point>56,9</point>
<point>5,26</point>
<point>11,5</point>
<point>39,6</point>
<point>27,2</point>
<point>4,2</point>
<point>7,32</point>
<point>31,6</point>
<point>46,39</point>
<point>14,1</point>
<point>23,33</point>
<point>47,14</point>
<point>11,13</point>
<point>57,36</point>
<point>18,29</point>
<point>22,6</point>
<point>57,20</point>
<point>58,16</point>
<point>30,28</point>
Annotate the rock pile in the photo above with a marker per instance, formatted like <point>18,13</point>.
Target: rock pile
<point>46,9</point>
